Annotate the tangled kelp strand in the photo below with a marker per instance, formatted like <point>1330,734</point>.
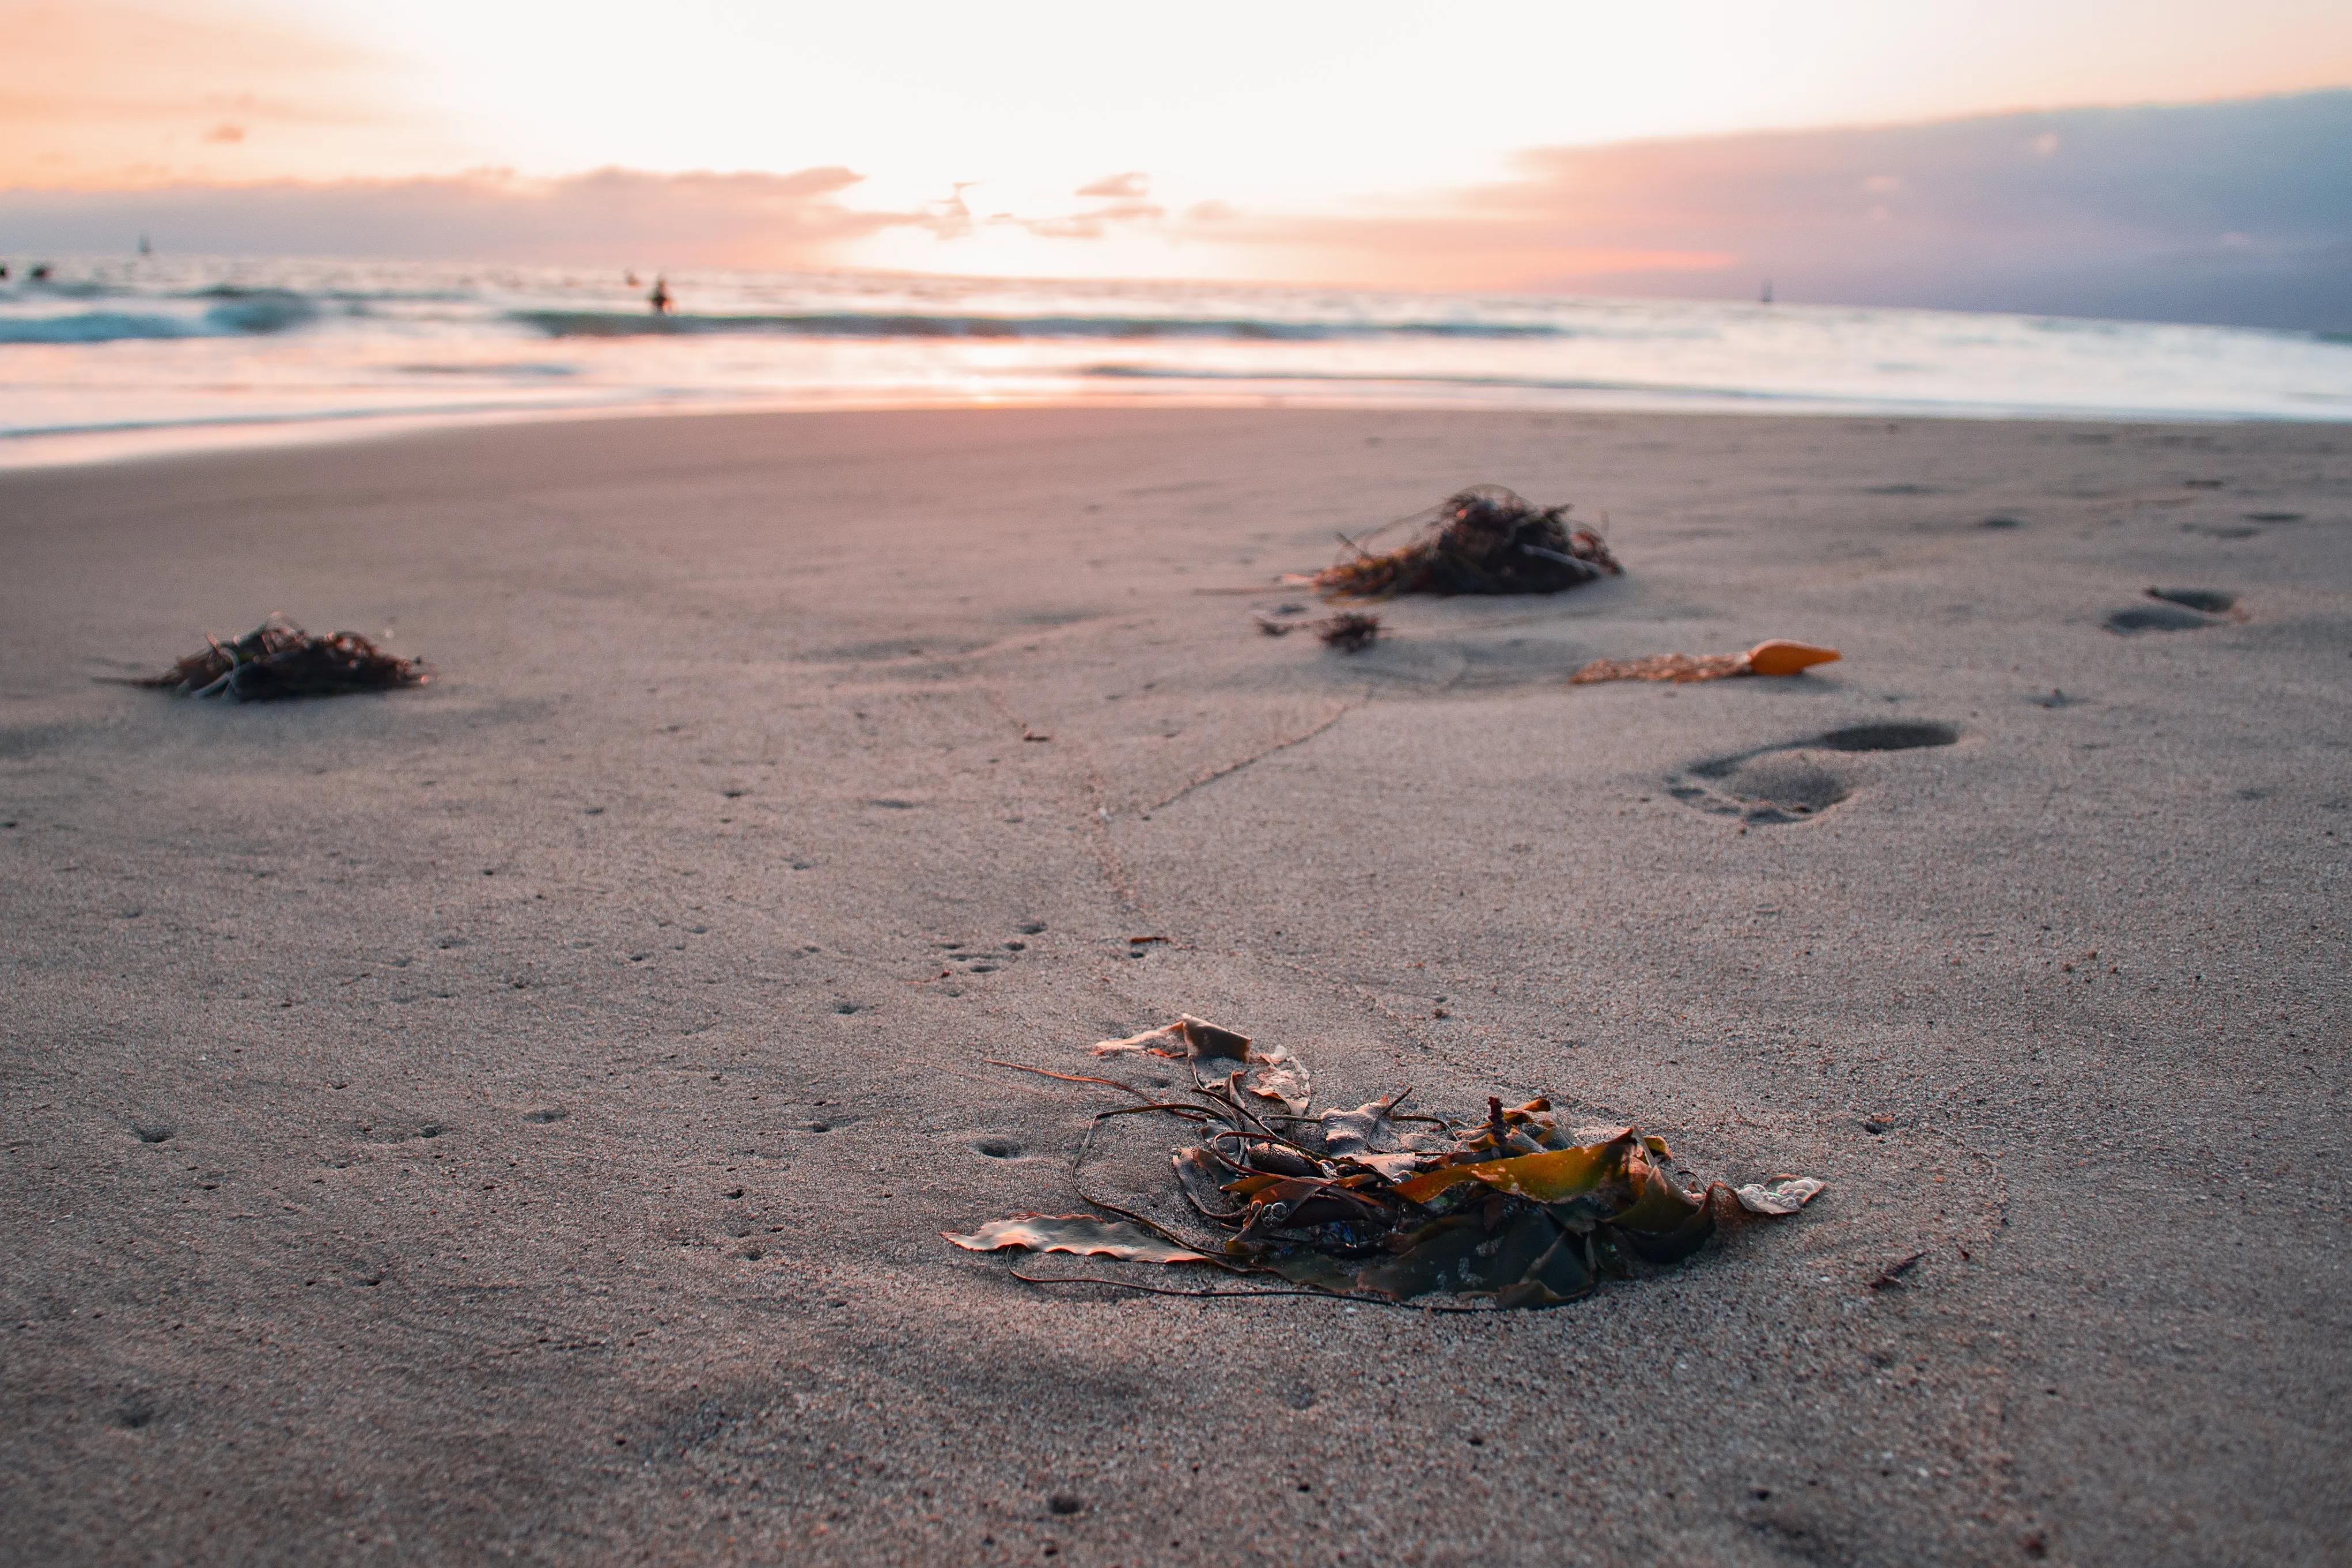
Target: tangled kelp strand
<point>1484,540</point>
<point>279,659</point>
<point>1376,1204</point>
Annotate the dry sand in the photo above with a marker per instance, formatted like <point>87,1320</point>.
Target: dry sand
<point>516,1119</point>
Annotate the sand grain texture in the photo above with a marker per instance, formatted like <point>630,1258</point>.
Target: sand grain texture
<point>515,1118</point>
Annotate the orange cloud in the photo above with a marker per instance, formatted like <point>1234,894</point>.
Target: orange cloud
<point>107,93</point>
<point>1130,185</point>
<point>611,216</point>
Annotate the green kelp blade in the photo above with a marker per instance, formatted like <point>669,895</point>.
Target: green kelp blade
<point>1785,1196</point>
<point>1087,1235</point>
<point>1434,1256</point>
<point>1561,1275</point>
<point>1303,1264</point>
<point>1510,1252</point>
<point>1554,1176</point>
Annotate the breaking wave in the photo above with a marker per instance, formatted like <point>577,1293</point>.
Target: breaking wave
<point>910,325</point>
<point>252,313</point>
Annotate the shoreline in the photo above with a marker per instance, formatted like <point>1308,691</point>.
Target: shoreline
<point>87,448</point>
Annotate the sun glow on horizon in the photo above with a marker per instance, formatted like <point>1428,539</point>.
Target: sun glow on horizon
<point>1061,139</point>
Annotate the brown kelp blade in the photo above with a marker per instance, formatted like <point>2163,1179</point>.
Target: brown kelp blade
<point>1087,1235</point>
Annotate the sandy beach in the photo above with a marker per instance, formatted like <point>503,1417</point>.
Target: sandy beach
<point>515,1118</point>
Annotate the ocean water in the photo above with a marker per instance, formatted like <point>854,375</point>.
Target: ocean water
<point>111,356</point>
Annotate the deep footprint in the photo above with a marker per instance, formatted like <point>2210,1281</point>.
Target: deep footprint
<point>1793,782</point>
<point>2212,601</point>
<point>2156,618</point>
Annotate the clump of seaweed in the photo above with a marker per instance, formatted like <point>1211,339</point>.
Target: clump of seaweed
<point>1485,540</point>
<point>1777,656</point>
<point>1515,1208</point>
<point>1351,631</point>
<point>279,659</point>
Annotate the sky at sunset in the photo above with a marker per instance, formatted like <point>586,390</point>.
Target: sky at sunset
<point>1974,153</point>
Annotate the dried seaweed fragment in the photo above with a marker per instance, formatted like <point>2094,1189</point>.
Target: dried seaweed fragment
<point>1087,1235</point>
<point>1351,631</point>
<point>1511,1209</point>
<point>1269,1072</point>
<point>279,659</point>
<point>1484,539</point>
<point>1777,656</point>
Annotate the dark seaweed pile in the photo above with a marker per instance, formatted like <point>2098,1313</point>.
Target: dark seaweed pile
<point>1486,540</point>
<point>1516,1208</point>
<point>279,659</point>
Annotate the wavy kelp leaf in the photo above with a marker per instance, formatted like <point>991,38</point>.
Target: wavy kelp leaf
<point>1434,1256</point>
<point>1562,1274</point>
<point>1658,1205</point>
<point>1366,1130</point>
<point>1662,1228</point>
<point>1302,1265</point>
<point>1368,1137</point>
<point>1553,1176</point>
<point>1218,1054</point>
<point>1202,1175</point>
<point>1087,1235</point>
<point>1783,1196</point>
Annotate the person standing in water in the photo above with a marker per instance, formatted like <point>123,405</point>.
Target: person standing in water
<point>659,298</point>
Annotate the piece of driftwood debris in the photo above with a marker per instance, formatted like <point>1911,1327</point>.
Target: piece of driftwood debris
<point>279,659</point>
<point>1484,539</point>
<point>1515,1208</point>
<point>1777,656</point>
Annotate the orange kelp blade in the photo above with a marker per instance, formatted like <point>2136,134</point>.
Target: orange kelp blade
<point>1782,657</point>
<point>1777,656</point>
<point>1555,1176</point>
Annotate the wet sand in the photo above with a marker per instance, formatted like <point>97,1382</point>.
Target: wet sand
<point>515,1118</point>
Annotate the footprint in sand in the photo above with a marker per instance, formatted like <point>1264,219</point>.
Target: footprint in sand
<point>2174,610</point>
<point>1795,780</point>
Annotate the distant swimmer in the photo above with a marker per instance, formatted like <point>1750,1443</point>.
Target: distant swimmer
<point>630,278</point>
<point>40,274</point>
<point>1766,297</point>
<point>659,298</point>
<point>4,272</point>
